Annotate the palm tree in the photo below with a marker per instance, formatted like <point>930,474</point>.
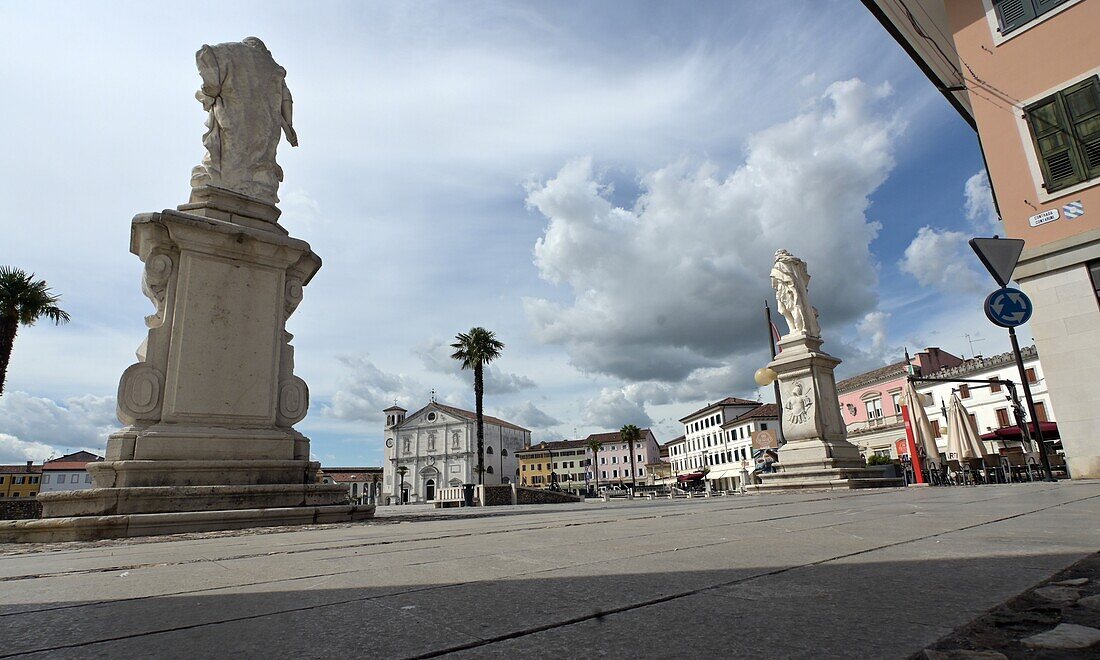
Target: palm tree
<point>595,446</point>
<point>631,434</point>
<point>22,302</point>
<point>475,349</point>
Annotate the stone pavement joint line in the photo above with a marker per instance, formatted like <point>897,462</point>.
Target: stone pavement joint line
<point>713,587</point>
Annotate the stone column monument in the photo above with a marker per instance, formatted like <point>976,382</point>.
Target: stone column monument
<point>817,454</point>
<point>209,408</point>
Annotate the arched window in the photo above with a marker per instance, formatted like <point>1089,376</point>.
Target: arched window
<point>503,452</point>
<point>488,450</point>
<point>489,469</point>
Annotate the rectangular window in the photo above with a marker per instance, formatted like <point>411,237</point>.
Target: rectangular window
<point>1013,14</point>
<point>1002,417</point>
<point>1041,411</point>
<point>874,408</point>
<point>603,473</point>
<point>87,478</point>
<point>936,428</point>
<point>994,386</point>
<point>764,427</point>
<point>964,391</point>
<point>973,419</point>
<point>896,398</point>
<point>614,459</point>
<point>614,473</point>
<point>34,480</point>
<point>1065,129</point>
<point>46,479</point>
<point>1030,373</point>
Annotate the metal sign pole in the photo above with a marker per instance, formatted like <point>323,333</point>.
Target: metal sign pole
<point>1031,405</point>
<point>775,385</point>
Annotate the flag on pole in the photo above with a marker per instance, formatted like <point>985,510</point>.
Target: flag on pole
<point>777,336</point>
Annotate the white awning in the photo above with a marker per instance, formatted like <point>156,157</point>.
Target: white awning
<point>722,474</point>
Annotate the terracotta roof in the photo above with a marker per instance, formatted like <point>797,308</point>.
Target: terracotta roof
<point>395,408</point>
<point>977,364</point>
<point>20,469</point>
<point>614,437</point>
<point>77,457</point>
<point>888,372</point>
<point>764,411</point>
<point>728,401</point>
<point>466,414</point>
<point>330,470</point>
<point>348,477</point>
<point>473,416</point>
<point>553,446</point>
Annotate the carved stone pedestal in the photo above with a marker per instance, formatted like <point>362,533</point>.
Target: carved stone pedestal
<point>817,454</point>
<point>210,405</point>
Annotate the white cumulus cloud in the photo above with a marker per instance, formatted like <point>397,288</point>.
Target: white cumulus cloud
<point>941,259</point>
<point>34,428</point>
<point>672,288</point>
<point>528,415</point>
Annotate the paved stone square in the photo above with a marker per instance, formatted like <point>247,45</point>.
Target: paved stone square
<point>814,575</point>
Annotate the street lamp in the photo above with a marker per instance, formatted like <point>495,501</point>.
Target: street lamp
<point>765,376</point>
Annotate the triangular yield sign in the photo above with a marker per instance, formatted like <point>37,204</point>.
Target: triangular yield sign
<point>999,255</point>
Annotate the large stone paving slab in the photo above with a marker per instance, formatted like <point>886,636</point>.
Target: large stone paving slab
<point>795,575</point>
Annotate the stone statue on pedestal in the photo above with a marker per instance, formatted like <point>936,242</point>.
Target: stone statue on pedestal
<point>210,406</point>
<point>817,454</point>
<point>245,92</point>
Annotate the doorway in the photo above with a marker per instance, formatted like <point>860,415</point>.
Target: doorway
<point>429,490</point>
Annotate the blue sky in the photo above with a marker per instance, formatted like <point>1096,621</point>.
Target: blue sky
<point>602,184</point>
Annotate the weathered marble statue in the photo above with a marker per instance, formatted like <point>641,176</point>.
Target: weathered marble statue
<point>791,282</point>
<point>245,92</point>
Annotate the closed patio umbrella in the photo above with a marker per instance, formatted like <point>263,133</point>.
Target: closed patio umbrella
<point>963,440</point>
<point>922,428</point>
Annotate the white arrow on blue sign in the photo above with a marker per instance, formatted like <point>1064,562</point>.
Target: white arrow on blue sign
<point>1008,307</point>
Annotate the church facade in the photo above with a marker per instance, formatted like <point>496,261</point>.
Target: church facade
<point>436,447</point>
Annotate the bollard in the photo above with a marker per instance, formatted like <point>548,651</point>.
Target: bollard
<point>606,496</point>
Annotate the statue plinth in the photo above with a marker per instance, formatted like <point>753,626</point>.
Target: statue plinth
<point>817,454</point>
<point>210,406</point>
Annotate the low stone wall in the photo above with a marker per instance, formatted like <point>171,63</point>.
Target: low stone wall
<point>498,495</point>
<point>20,509</point>
<point>538,496</point>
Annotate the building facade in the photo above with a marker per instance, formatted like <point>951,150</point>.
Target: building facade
<point>563,463</point>
<point>613,466</point>
<point>364,483</point>
<point>1026,75</point>
<point>870,403</point>
<point>717,441</point>
<point>436,447</point>
<point>18,481</point>
<point>870,406</point>
<point>68,472</point>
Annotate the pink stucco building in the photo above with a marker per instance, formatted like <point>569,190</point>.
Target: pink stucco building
<point>869,402</point>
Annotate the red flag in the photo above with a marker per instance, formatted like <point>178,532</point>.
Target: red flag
<point>775,333</point>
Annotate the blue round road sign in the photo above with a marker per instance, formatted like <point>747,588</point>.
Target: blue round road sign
<point>1008,307</point>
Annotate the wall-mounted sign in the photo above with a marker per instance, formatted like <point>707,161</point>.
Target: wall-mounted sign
<point>766,439</point>
<point>1043,218</point>
<point>1074,210</point>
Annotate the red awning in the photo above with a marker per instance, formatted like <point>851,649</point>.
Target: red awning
<point>1049,429</point>
<point>689,477</point>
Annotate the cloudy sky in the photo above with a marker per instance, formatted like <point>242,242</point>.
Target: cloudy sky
<point>603,184</point>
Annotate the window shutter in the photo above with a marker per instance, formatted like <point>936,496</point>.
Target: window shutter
<point>1054,143</point>
<point>1083,107</point>
<point>1043,6</point>
<point>1013,13</point>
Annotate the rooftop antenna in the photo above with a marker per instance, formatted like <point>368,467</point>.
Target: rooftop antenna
<point>967,335</point>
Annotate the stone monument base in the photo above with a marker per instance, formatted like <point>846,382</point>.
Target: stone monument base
<point>93,528</point>
<point>100,513</point>
<point>814,465</point>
